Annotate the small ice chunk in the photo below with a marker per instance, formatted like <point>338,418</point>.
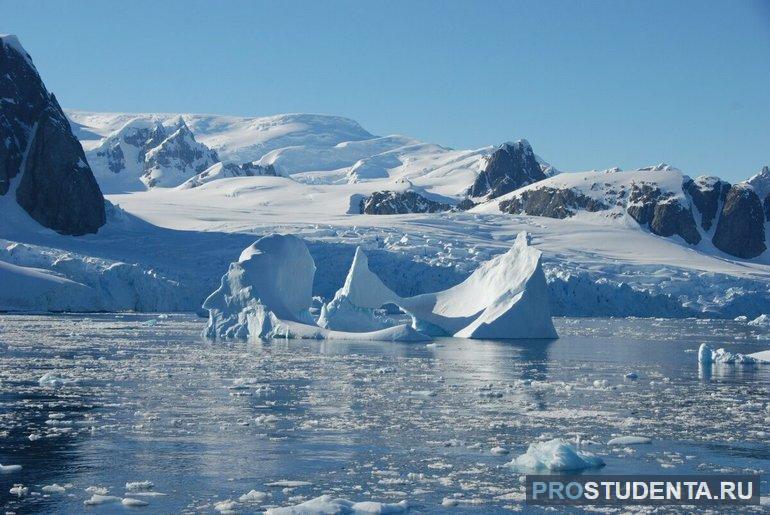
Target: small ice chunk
<point>50,380</point>
<point>326,504</point>
<point>253,497</point>
<point>139,486</point>
<point>555,455</point>
<point>629,440</point>
<point>53,489</point>
<point>97,499</point>
<point>133,503</point>
<point>226,506</point>
<point>286,483</point>
<point>19,490</point>
<point>7,469</point>
<point>99,490</point>
<point>498,450</point>
<point>761,321</point>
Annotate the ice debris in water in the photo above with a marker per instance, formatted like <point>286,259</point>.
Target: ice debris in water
<point>133,503</point>
<point>19,490</point>
<point>253,497</point>
<point>97,499</point>
<point>761,321</point>
<point>327,504</point>
<point>555,455</point>
<point>629,440</point>
<point>709,356</point>
<point>55,488</point>
<point>7,469</point>
<point>139,486</point>
<point>50,380</point>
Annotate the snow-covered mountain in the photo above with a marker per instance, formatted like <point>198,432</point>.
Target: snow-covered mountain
<point>147,154</point>
<point>194,190</point>
<point>705,212</point>
<point>55,185</point>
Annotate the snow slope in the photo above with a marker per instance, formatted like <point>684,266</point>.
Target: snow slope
<point>182,240</point>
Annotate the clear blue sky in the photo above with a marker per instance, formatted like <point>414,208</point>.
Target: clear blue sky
<point>590,84</point>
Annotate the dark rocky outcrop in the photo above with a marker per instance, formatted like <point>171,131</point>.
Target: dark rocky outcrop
<point>551,202</point>
<point>225,170</point>
<point>761,185</point>
<point>400,202</point>
<point>740,230</point>
<point>57,187</point>
<point>179,151</point>
<point>510,167</point>
<point>662,212</point>
<point>706,194</point>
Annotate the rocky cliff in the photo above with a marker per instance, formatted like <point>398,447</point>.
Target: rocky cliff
<point>56,187</point>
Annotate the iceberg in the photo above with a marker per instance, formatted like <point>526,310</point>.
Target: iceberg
<point>267,294</point>
<point>555,455</point>
<point>327,504</point>
<point>709,356</point>
<point>506,297</point>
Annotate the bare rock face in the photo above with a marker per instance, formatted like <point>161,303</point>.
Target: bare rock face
<point>400,202</point>
<point>761,185</point>
<point>706,193</point>
<point>741,229</point>
<point>510,167</point>
<point>663,212</point>
<point>57,187</point>
<point>177,157</point>
<point>551,202</point>
<point>226,170</point>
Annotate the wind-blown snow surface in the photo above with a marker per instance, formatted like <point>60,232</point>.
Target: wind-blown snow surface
<point>594,264</point>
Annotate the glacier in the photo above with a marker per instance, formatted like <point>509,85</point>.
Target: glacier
<point>506,297</point>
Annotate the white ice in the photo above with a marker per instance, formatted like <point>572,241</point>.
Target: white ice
<point>555,455</point>
<point>506,297</point>
<point>328,505</point>
<point>709,356</point>
<point>267,294</point>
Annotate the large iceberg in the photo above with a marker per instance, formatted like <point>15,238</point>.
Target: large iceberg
<point>267,294</point>
<point>709,356</point>
<point>506,297</point>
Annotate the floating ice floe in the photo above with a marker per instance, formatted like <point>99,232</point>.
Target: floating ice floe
<point>760,321</point>
<point>50,380</point>
<point>629,440</point>
<point>139,486</point>
<point>267,294</point>
<point>54,489</point>
<point>329,505</point>
<point>555,455</point>
<point>133,503</point>
<point>98,499</point>
<point>506,297</point>
<point>7,469</point>
<point>253,497</point>
<point>709,356</point>
<point>19,490</point>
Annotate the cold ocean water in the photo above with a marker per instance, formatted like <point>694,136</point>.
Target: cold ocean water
<point>89,403</point>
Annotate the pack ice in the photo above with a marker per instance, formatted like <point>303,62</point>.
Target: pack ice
<point>506,297</point>
<point>267,294</point>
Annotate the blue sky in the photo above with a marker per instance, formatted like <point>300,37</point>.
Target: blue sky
<point>591,84</point>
